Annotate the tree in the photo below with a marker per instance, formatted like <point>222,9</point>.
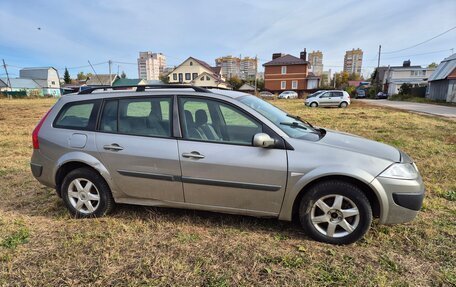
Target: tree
<point>235,82</point>
<point>164,79</point>
<point>123,75</point>
<point>260,84</point>
<point>433,65</point>
<point>81,76</point>
<point>66,77</point>
<point>405,89</point>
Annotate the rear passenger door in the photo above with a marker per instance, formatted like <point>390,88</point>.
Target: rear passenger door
<point>136,145</point>
<point>336,98</point>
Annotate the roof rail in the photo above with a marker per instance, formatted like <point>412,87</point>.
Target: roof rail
<point>142,88</point>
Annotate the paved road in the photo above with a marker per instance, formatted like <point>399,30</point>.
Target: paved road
<point>437,110</point>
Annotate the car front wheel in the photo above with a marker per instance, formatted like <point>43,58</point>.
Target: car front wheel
<point>86,194</point>
<point>335,212</point>
<point>343,105</point>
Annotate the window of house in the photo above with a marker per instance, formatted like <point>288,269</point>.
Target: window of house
<point>207,78</point>
<point>181,77</point>
<point>284,70</point>
<point>194,76</point>
<point>202,79</point>
<point>294,85</point>
<point>77,115</point>
<point>174,76</point>
<point>191,63</point>
<point>188,76</point>
<point>283,85</point>
<point>53,82</point>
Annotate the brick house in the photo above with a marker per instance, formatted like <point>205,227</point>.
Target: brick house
<point>287,72</point>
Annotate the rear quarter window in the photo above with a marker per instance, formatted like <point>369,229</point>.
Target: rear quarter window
<point>78,115</point>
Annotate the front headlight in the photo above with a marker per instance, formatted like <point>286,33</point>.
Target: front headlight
<point>401,171</point>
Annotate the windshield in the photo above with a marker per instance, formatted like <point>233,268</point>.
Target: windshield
<point>314,94</point>
<point>292,126</point>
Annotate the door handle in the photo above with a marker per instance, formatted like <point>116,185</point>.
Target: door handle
<point>193,154</point>
<point>113,147</point>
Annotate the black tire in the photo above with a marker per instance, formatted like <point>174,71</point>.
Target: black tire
<point>106,202</point>
<point>343,105</point>
<point>336,188</point>
<point>313,105</point>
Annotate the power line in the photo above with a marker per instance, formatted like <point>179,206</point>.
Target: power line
<point>416,45</point>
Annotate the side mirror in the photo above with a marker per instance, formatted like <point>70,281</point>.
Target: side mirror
<point>263,140</point>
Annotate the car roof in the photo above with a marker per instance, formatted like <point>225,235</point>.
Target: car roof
<point>101,93</point>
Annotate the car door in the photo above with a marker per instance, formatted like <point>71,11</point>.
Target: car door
<point>136,145</point>
<point>336,98</point>
<point>220,167</point>
<point>324,99</point>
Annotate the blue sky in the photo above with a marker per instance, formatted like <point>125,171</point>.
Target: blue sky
<point>73,32</point>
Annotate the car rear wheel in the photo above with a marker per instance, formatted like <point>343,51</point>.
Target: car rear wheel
<point>335,212</point>
<point>313,105</point>
<point>86,194</point>
<point>343,105</point>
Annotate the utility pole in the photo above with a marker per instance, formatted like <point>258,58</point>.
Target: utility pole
<point>93,69</point>
<point>256,72</point>
<point>7,77</point>
<point>110,79</point>
<point>378,66</point>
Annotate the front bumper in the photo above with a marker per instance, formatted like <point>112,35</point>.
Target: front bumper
<point>400,200</point>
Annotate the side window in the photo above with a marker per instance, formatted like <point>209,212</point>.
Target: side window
<point>78,115</point>
<point>194,76</point>
<point>143,117</point>
<point>213,121</point>
<point>108,122</point>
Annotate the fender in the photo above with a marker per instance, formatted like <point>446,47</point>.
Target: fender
<point>297,181</point>
<point>82,157</point>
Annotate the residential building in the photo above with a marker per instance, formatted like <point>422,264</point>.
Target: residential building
<point>391,78</point>
<point>316,62</point>
<point>287,72</point>
<point>151,65</point>
<point>46,77</point>
<point>199,73</point>
<point>326,78</point>
<point>249,68</point>
<point>442,82</point>
<point>230,66</point>
<point>102,80</point>
<point>129,82</point>
<point>246,88</point>
<point>353,61</point>
<point>29,87</point>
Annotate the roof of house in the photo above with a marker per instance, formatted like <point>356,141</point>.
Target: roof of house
<point>3,84</point>
<point>246,87</point>
<point>444,69</point>
<point>311,75</point>
<point>101,80</point>
<point>154,82</point>
<point>286,60</point>
<point>20,83</point>
<point>129,82</point>
<point>36,73</point>
<point>216,69</point>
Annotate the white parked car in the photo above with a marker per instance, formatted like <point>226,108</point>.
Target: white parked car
<point>288,95</point>
<point>339,99</point>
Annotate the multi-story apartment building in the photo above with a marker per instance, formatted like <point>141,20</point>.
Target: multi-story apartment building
<point>316,62</point>
<point>248,68</point>
<point>230,66</point>
<point>151,65</point>
<point>243,68</point>
<point>353,61</point>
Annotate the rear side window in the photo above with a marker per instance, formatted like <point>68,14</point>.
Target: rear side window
<point>78,115</point>
<point>142,117</point>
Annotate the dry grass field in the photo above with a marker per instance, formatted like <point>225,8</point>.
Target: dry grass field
<point>41,245</point>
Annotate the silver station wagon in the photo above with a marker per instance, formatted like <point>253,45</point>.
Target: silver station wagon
<point>223,151</point>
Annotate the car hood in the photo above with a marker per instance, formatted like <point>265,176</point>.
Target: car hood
<point>361,145</point>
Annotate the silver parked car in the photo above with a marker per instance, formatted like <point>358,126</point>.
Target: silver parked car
<point>223,151</point>
<point>339,99</point>
<point>288,95</point>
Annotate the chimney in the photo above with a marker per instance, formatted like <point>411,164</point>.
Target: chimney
<point>276,55</point>
<point>406,63</point>
<point>303,55</point>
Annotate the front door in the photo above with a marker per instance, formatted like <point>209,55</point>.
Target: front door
<point>136,146</point>
<point>220,167</point>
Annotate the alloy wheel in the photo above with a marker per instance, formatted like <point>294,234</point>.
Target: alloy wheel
<point>83,195</point>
